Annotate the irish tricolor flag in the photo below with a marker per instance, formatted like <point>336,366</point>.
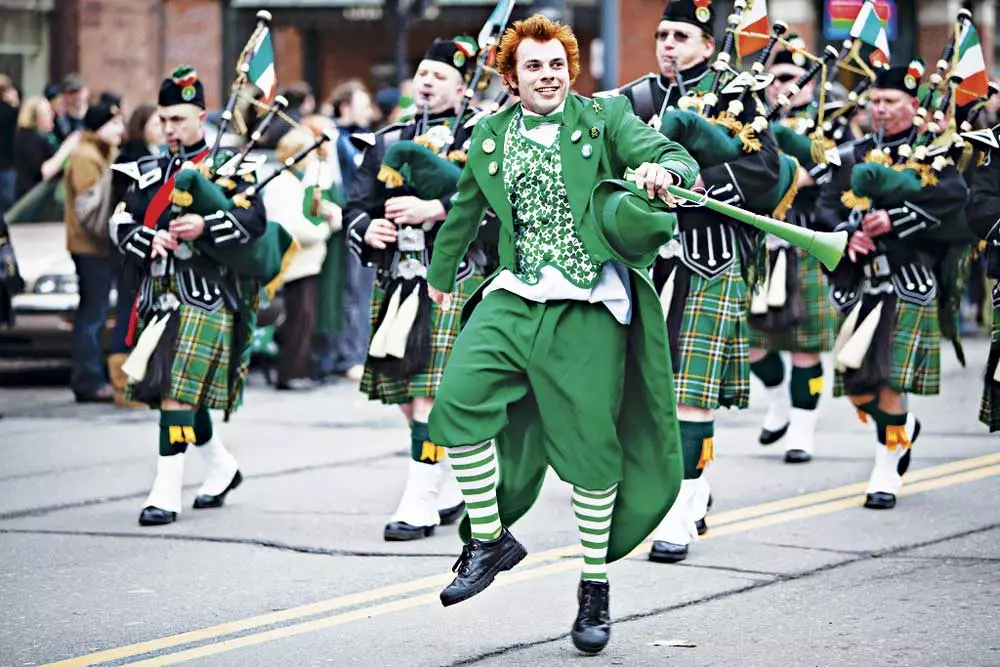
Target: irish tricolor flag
<point>262,66</point>
<point>869,29</point>
<point>754,21</point>
<point>971,68</point>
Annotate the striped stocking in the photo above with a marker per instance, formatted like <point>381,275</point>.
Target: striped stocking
<point>593,516</point>
<point>475,468</point>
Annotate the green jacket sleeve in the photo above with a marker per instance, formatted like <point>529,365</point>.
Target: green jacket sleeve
<point>633,142</point>
<point>458,231</point>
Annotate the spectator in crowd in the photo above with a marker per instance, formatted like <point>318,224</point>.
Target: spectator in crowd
<point>311,222</point>
<point>354,114</point>
<point>143,137</point>
<point>10,101</point>
<point>89,200</point>
<point>76,97</point>
<point>38,153</point>
<point>61,128</point>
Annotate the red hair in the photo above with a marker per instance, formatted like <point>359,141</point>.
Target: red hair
<point>540,29</point>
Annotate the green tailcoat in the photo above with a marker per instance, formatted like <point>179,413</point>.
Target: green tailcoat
<point>599,140</point>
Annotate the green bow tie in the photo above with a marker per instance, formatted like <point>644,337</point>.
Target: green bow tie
<point>531,122</point>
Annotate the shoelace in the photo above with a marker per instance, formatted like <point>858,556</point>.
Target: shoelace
<point>464,559</point>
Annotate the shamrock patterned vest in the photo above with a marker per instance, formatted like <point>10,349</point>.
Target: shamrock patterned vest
<point>545,234</point>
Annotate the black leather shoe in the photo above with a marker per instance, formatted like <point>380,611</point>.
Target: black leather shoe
<point>592,628</point>
<point>667,552</point>
<point>701,526</point>
<point>400,531</point>
<point>450,515</point>
<point>771,437</point>
<point>479,564</point>
<point>797,456</point>
<point>880,500</point>
<point>205,501</point>
<point>154,516</point>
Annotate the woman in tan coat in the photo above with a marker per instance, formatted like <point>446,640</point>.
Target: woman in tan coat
<point>88,209</point>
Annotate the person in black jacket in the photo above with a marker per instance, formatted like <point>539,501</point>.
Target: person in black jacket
<point>983,218</point>
<point>886,285</point>
<point>376,216</point>
<point>700,274</point>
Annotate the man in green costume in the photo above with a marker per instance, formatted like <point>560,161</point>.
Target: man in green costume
<point>564,361</point>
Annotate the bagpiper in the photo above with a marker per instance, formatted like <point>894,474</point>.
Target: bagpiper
<point>983,216</point>
<point>563,359</point>
<point>401,194</point>
<point>792,312</point>
<point>202,313</point>
<point>702,275</point>
<point>887,286</point>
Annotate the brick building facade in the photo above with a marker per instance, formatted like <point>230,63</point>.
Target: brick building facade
<point>128,45</point>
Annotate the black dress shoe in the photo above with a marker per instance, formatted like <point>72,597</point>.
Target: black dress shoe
<point>206,501</point>
<point>770,437</point>
<point>154,516</point>
<point>400,531</point>
<point>479,564</point>
<point>797,456</point>
<point>450,515</point>
<point>667,552</point>
<point>880,500</point>
<point>701,526</point>
<point>592,628</point>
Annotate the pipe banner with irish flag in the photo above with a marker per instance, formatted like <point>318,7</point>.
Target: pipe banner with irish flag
<point>971,68</point>
<point>868,28</point>
<point>753,25</point>
<point>262,66</point>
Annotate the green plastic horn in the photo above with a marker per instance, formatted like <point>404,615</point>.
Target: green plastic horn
<point>827,247</point>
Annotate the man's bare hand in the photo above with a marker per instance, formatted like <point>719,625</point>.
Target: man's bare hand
<point>413,210</point>
<point>654,179</point>
<point>380,232</point>
<point>187,227</point>
<point>859,244</point>
<point>164,243</point>
<point>440,298</point>
<point>876,223</point>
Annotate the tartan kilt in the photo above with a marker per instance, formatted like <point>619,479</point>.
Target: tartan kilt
<point>818,331</point>
<point>713,367</point>
<point>200,369</point>
<point>989,410</point>
<point>916,351</point>
<point>446,324</point>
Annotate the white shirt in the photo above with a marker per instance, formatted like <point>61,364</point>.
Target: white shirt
<point>612,288</point>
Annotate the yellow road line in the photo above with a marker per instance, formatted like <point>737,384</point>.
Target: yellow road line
<point>534,573</point>
<point>718,522</point>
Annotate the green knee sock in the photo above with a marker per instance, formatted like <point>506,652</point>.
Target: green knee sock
<point>593,511</point>
<point>202,426</point>
<point>806,386</point>
<point>698,446</point>
<point>176,431</point>
<point>422,449</point>
<point>770,370</point>
<point>891,429</point>
<point>475,468</point>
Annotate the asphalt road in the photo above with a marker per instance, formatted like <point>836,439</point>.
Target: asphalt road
<point>293,571</point>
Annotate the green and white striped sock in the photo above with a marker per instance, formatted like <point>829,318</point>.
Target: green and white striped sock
<point>475,468</point>
<point>593,517</point>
